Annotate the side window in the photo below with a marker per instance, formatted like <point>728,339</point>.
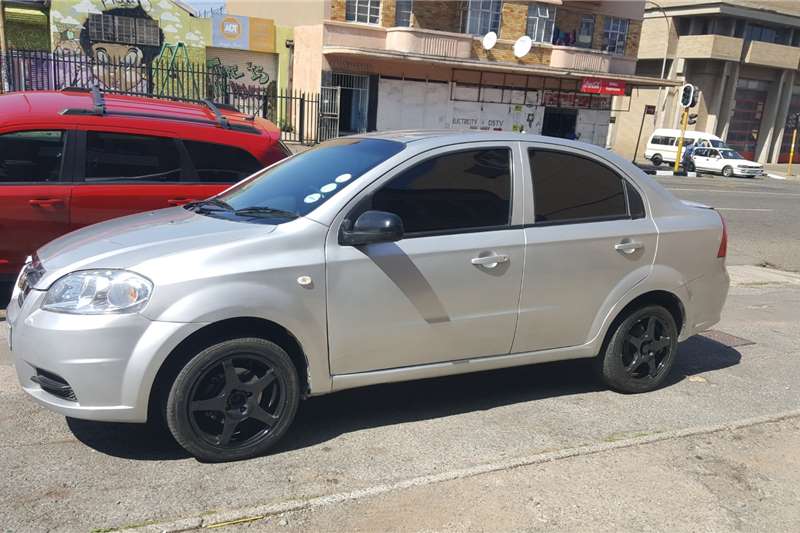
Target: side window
<point>219,163</point>
<point>670,141</point>
<point>634,201</point>
<point>569,188</point>
<point>114,157</point>
<point>31,156</point>
<point>460,190</point>
<point>702,152</point>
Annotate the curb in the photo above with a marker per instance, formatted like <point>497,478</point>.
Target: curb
<point>226,518</point>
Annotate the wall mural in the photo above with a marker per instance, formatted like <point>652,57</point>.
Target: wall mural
<point>133,35</point>
<point>246,72</point>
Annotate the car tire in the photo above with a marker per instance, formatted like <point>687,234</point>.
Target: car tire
<point>656,160</point>
<point>640,353</point>
<point>690,167</point>
<point>727,171</point>
<point>234,400</point>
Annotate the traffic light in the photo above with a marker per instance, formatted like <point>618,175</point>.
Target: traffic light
<point>695,96</point>
<point>693,118</point>
<point>687,95</point>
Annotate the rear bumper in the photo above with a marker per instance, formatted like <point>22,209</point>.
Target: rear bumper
<point>706,298</point>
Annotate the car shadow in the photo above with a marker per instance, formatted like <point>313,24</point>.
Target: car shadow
<point>324,418</point>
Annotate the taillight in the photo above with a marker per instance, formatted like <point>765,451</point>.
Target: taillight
<point>723,245</point>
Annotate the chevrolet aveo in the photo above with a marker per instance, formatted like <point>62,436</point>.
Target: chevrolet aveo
<point>368,259</point>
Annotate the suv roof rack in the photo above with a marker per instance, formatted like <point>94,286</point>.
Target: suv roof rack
<point>99,109</point>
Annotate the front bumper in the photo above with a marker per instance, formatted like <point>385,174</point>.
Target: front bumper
<point>109,361</point>
<point>748,172</point>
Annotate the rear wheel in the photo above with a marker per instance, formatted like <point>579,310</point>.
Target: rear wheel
<point>656,160</point>
<point>233,400</point>
<point>641,351</point>
<point>727,172</point>
<point>690,166</point>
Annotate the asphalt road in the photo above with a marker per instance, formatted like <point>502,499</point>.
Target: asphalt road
<point>763,216</point>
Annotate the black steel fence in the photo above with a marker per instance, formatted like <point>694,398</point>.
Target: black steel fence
<point>297,114</point>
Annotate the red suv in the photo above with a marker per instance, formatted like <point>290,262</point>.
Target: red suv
<point>76,157</point>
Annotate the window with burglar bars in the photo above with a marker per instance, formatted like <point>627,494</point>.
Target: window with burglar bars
<point>128,30</point>
<point>367,11</point>
<point>541,21</point>
<point>615,33</point>
<point>483,16</point>
<point>403,12</point>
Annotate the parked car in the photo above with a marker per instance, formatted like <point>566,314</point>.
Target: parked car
<point>75,157</point>
<point>725,161</point>
<point>368,259</point>
<point>662,146</point>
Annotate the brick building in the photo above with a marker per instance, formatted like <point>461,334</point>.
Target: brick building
<point>395,64</point>
<point>744,55</point>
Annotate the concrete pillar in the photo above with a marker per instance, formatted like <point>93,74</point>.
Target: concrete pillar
<point>782,115</point>
<point>728,102</point>
<point>766,130</point>
<point>714,106</point>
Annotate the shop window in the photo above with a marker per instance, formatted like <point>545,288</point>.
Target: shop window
<point>483,16</point>
<point>367,11</point>
<point>615,35</point>
<point>403,11</point>
<point>541,22</point>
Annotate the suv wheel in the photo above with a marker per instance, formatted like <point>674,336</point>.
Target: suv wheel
<point>233,400</point>
<point>656,160</point>
<point>727,172</point>
<point>640,353</point>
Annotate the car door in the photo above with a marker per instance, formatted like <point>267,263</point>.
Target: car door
<point>700,158</point>
<point>450,288</point>
<point>714,160</point>
<point>588,242</point>
<point>34,198</point>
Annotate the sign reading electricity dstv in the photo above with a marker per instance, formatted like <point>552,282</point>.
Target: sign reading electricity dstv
<point>602,86</point>
<point>243,33</point>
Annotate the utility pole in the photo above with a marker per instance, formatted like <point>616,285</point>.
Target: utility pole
<point>648,110</point>
<point>793,124</point>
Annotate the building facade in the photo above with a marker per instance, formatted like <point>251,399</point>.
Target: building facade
<point>744,56</point>
<point>395,64</point>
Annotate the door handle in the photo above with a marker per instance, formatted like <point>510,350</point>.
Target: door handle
<point>489,261</point>
<point>628,246</point>
<point>46,202</point>
<point>180,201</point>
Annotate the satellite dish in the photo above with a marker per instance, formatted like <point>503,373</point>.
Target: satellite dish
<point>522,46</point>
<point>489,40</point>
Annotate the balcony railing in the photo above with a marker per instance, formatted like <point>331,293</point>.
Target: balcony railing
<point>427,42</point>
<point>590,61</point>
<point>710,47</point>
<point>772,55</point>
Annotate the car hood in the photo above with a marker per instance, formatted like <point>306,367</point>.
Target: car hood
<point>131,240</point>
<point>743,162</point>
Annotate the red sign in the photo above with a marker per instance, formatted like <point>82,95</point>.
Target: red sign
<point>601,86</point>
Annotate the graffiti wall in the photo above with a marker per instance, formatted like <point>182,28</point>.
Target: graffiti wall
<point>245,71</point>
<point>135,34</point>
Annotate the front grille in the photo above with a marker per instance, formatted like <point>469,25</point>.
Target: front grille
<point>54,384</point>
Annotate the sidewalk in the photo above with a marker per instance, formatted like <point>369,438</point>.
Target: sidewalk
<point>780,171</point>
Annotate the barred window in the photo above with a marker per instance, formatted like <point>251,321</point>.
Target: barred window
<point>403,12</point>
<point>615,34</point>
<point>541,21</point>
<point>367,11</point>
<point>483,16</point>
<point>127,30</point>
<point>147,32</point>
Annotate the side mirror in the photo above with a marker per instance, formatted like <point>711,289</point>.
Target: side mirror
<point>372,227</point>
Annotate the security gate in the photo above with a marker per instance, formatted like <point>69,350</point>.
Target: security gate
<point>329,113</point>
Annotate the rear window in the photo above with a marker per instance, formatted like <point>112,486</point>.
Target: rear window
<point>219,163</point>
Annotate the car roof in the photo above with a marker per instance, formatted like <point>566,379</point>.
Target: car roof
<point>187,120</point>
<point>671,131</point>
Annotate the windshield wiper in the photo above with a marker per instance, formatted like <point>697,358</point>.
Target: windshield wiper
<point>257,211</point>
<point>207,205</point>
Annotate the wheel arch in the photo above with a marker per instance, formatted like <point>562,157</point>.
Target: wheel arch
<point>669,300</point>
<point>222,330</point>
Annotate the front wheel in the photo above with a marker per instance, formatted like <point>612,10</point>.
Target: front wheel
<point>656,160</point>
<point>727,172</point>
<point>640,353</point>
<point>234,400</point>
<point>690,166</point>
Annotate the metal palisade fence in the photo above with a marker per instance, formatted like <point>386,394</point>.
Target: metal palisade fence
<point>297,114</point>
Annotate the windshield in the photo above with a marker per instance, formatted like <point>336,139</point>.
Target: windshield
<point>717,144</point>
<point>731,154</point>
<point>300,184</point>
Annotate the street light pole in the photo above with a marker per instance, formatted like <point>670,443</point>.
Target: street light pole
<point>663,61</point>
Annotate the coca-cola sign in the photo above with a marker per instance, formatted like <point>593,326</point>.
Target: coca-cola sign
<point>603,86</point>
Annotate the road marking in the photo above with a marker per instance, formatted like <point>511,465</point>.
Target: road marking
<point>212,519</point>
<point>736,192</point>
<point>776,177</point>
<point>741,209</point>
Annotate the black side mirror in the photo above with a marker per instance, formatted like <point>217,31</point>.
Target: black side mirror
<point>372,227</point>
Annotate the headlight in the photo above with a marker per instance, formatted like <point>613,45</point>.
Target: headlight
<point>97,292</point>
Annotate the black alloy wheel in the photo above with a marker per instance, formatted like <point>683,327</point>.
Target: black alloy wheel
<point>234,400</point>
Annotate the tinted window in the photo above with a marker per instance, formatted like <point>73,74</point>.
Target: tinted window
<point>470,189</point>
<point>634,201</point>
<point>121,157</point>
<point>302,183</point>
<point>30,156</point>
<point>700,152</point>
<point>568,188</point>
<point>220,163</point>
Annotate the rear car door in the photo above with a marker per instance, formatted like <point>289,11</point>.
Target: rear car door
<point>34,198</point>
<point>588,241</point>
<point>700,158</point>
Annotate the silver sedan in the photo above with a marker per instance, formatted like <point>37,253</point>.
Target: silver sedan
<point>368,259</point>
